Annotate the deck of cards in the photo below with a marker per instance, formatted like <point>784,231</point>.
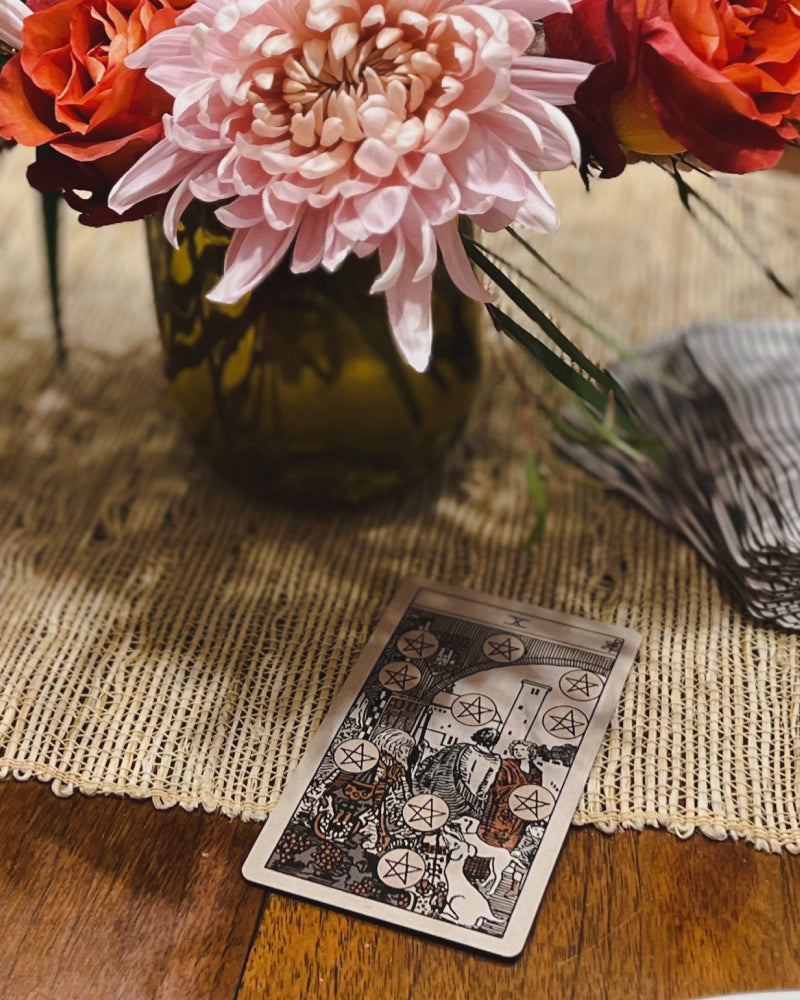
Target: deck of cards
<point>722,399</point>
<point>441,784</point>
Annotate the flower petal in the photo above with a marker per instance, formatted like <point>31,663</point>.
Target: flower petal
<point>12,14</point>
<point>252,254</point>
<point>457,263</point>
<point>160,169</point>
<point>409,306</point>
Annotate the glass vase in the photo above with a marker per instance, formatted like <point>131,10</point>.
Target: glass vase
<point>298,390</point>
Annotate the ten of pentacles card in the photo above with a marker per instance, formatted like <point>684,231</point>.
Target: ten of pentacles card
<point>441,784</point>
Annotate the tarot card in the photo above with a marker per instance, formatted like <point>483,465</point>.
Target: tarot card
<point>442,782</point>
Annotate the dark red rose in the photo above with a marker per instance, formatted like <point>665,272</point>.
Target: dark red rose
<point>718,80</point>
<point>69,89</point>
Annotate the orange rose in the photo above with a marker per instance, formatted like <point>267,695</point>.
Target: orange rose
<point>716,79</point>
<point>70,90</point>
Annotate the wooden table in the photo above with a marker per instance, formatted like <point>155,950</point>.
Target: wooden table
<point>108,898</point>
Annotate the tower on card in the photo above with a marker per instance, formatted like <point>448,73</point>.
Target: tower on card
<point>520,717</point>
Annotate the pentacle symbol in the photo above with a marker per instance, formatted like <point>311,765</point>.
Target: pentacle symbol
<point>565,721</point>
<point>503,648</point>
<point>418,644</point>
<point>473,709</point>
<point>581,685</point>
<point>425,813</point>
<point>401,868</point>
<point>517,621</point>
<point>531,802</point>
<point>356,756</point>
<point>400,676</point>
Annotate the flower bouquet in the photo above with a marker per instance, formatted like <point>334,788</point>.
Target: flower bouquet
<point>318,131</point>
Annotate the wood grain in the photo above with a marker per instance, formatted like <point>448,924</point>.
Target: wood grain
<point>626,917</point>
<point>107,898</point>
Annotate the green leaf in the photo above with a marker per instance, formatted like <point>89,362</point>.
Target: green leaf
<point>546,265</point>
<point>553,298</point>
<point>537,489</point>
<point>602,377</point>
<point>548,359</point>
<point>629,354</point>
<point>50,201</point>
<point>689,196</point>
<point>50,207</point>
<point>555,365</point>
<point>595,433</point>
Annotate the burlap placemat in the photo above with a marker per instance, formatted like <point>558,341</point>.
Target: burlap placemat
<point>163,636</point>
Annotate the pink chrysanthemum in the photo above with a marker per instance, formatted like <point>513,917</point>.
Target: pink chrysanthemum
<point>349,126</point>
<point>12,14</point>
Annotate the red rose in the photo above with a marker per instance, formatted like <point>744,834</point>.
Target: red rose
<point>69,89</point>
<point>716,79</point>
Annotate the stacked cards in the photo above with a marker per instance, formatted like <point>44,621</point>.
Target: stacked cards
<point>724,401</point>
<point>438,790</point>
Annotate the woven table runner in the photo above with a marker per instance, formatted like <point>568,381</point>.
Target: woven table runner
<point>163,636</point>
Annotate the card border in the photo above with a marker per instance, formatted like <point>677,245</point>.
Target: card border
<point>510,944</point>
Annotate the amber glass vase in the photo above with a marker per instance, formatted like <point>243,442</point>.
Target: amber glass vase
<point>298,390</point>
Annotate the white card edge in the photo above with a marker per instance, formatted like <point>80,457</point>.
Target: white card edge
<point>510,944</point>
